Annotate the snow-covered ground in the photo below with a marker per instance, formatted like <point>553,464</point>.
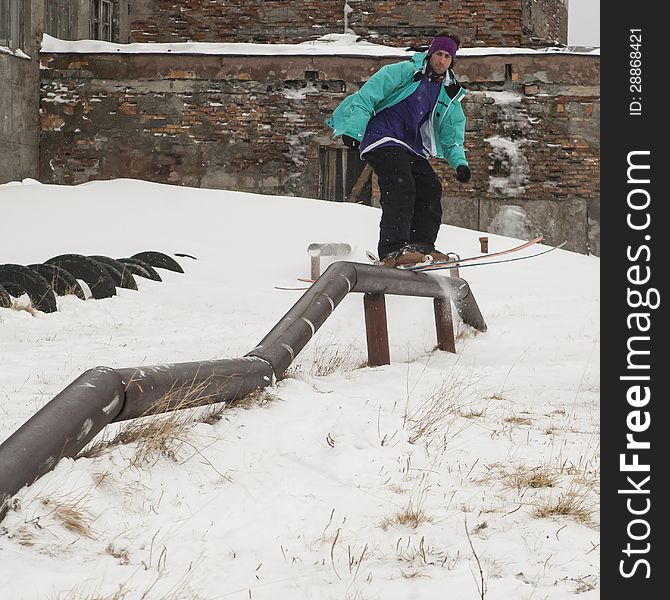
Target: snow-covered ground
<point>470,475</point>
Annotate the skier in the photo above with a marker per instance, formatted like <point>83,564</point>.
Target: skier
<point>405,113</point>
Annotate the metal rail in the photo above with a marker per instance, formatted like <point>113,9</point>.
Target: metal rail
<point>103,395</point>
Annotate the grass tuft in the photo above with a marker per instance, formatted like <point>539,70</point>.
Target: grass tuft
<point>163,434</point>
<point>433,417</point>
<point>569,504</point>
<point>70,514</point>
<point>524,477</point>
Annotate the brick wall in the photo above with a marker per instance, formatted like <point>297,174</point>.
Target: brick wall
<point>256,124</point>
<point>390,22</point>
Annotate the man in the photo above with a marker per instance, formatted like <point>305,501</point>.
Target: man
<point>405,113</point>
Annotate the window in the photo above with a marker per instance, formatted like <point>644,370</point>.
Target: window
<point>10,23</point>
<point>101,20</point>
<point>339,172</point>
<point>58,19</point>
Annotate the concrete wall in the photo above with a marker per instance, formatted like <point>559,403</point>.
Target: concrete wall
<point>545,22</point>
<point>20,84</point>
<point>391,22</point>
<point>19,99</point>
<point>257,124</point>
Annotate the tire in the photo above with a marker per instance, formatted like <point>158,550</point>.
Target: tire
<point>61,281</point>
<point>91,271</point>
<point>159,260</point>
<point>149,271</point>
<point>120,273</point>
<point>20,278</point>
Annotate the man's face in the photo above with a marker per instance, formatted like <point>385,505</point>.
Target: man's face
<point>440,61</point>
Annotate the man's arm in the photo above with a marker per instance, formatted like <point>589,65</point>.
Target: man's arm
<point>352,115</point>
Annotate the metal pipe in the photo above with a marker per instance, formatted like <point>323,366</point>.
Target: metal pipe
<point>370,279</point>
<point>161,388</point>
<point>59,429</point>
<point>317,250</point>
<point>101,395</point>
<point>329,249</point>
<point>290,335</point>
<point>314,266</point>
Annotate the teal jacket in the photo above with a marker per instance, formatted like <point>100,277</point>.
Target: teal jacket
<point>443,133</point>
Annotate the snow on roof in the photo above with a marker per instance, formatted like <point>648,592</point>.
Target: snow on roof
<point>347,44</point>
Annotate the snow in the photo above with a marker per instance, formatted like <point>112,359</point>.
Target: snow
<point>346,44</point>
<point>310,491</point>
<point>508,152</point>
<point>501,98</point>
<point>17,52</point>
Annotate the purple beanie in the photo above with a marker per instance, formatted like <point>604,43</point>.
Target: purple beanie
<point>443,43</point>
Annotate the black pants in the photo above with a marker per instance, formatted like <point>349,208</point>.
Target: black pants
<point>410,197</point>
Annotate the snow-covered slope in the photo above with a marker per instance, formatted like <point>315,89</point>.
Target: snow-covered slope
<point>342,481</point>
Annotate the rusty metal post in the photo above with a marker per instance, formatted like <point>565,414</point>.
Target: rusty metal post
<point>444,325</point>
<point>376,330</point>
<point>316,251</point>
<point>315,267</point>
<point>484,244</point>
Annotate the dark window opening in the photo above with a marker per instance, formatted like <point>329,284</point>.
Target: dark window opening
<point>339,170</point>
<point>101,20</point>
<point>58,19</point>
<point>10,23</point>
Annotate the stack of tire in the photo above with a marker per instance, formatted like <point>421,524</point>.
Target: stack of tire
<point>59,276</point>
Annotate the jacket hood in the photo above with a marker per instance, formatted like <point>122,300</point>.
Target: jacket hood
<point>419,58</point>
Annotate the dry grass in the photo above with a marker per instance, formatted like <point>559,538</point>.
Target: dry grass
<point>480,527</point>
<point>412,514</point>
<point>71,515</point>
<point>433,417</point>
<point>516,420</point>
<point>181,590</point>
<point>413,574</point>
<point>121,555</point>
<point>420,555</point>
<point>585,584</point>
<point>75,594</point>
<point>524,477</point>
<point>470,414</point>
<point>24,536</point>
<point>568,504</point>
<point>159,435</point>
<point>259,398</point>
<point>408,516</point>
<point>585,474</point>
<point>328,358</point>
<point>163,434</point>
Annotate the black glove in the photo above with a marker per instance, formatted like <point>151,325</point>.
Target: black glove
<point>350,142</point>
<point>463,173</point>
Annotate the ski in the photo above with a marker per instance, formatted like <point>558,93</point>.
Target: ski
<point>469,259</point>
<point>457,265</point>
<point>291,288</point>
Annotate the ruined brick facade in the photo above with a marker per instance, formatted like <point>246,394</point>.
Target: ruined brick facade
<point>257,124</point>
<point>515,23</point>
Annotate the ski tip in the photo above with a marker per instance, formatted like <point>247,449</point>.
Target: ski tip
<point>372,257</point>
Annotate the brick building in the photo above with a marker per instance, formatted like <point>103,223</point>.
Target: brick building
<point>254,121</point>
